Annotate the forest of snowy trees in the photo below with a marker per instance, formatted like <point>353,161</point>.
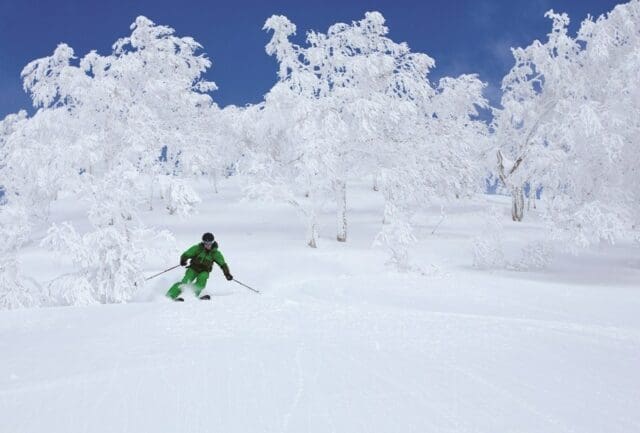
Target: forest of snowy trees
<point>130,131</point>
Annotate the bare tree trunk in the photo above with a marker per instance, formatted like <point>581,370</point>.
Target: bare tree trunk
<point>533,196</point>
<point>151,194</point>
<point>517,192</point>
<point>531,201</point>
<point>517,203</point>
<point>214,180</point>
<point>340,188</point>
<point>388,198</point>
<point>312,231</point>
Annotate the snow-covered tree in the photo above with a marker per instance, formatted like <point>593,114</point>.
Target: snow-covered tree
<point>536,91</point>
<point>15,290</point>
<point>569,125</point>
<point>282,160</point>
<point>19,209</point>
<point>370,109</point>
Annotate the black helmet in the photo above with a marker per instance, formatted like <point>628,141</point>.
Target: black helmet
<point>207,237</point>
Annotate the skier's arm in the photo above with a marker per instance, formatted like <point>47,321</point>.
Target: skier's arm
<point>219,259</point>
<point>190,253</point>
<point>227,273</point>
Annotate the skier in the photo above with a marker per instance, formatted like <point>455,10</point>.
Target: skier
<point>202,256</point>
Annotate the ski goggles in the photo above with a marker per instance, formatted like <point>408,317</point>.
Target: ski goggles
<point>208,243</point>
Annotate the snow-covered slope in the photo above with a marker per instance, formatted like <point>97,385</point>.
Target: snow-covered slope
<point>337,341</point>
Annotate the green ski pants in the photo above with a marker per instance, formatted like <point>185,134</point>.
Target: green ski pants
<point>189,277</point>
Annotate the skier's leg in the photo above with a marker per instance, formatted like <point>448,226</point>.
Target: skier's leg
<point>201,282</point>
<point>176,289</point>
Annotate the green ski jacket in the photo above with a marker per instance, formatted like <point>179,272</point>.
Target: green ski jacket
<point>201,259</point>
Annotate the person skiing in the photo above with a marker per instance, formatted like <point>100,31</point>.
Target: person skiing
<point>202,257</point>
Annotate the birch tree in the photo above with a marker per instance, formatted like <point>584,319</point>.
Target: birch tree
<point>569,126</point>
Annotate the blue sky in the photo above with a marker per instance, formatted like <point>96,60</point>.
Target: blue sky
<point>463,36</point>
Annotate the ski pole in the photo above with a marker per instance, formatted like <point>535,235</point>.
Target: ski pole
<point>438,225</point>
<point>441,219</point>
<point>243,284</point>
<point>160,273</point>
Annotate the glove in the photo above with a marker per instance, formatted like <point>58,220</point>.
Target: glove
<point>228,276</point>
<point>183,262</point>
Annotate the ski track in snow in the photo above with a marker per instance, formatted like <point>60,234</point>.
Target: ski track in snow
<point>299,389</point>
<point>406,336</point>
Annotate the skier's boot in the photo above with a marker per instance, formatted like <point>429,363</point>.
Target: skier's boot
<point>179,300</point>
<point>205,297</point>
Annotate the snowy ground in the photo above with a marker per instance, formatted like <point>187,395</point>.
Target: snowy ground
<point>337,342</point>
